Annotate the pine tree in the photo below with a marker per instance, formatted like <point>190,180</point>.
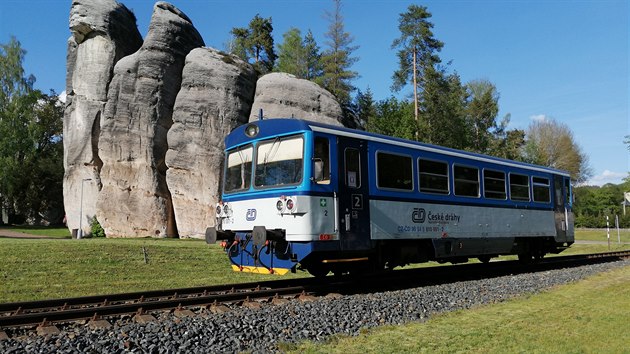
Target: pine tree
<point>292,54</point>
<point>312,57</point>
<point>337,58</point>
<point>261,44</point>
<point>254,44</point>
<point>364,106</point>
<point>417,52</point>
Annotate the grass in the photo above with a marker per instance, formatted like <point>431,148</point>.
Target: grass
<point>601,235</point>
<point>590,316</point>
<point>32,269</point>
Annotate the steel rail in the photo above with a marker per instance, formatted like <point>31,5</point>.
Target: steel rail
<point>147,305</point>
<point>133,296</point>
<point>60,310</point>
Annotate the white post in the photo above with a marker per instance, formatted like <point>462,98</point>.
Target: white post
<point>608,232</point>
<point>80,234</point>
<point>617,224</point>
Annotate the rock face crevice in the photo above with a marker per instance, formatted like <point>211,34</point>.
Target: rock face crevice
<point>93,50</point>
<point>216,95</point>
<point>135,200</point>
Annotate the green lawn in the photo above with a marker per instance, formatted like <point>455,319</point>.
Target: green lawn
<point>601,235</point>
<point>33,269</point>
<point>590,316</point>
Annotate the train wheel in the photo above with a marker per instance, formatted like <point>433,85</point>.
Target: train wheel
<point>318,271</point>
<point>525,258</point>
<point>484,259</point>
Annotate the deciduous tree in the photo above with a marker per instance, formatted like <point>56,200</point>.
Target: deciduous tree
<point>442,119</point>
<point>551,143</point>
<point>482,111</point>
<point>393,117</point>
<point>31,149</point>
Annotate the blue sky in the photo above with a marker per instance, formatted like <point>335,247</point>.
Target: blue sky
<point>566,60</point>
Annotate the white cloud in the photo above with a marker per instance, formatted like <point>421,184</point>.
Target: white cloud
<point>539,118</point>
<point>607,177</point>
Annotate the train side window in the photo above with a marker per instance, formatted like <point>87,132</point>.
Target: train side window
<point>322,153</point>
<point>433,176</point>
<point>494,185</point>
<point>353,168</point>
<point>394,171</point>
<point>238,172</point>
<point>542,193</point>
<point>519,187</point>
<point>466,181</point>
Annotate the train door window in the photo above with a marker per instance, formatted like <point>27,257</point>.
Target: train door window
<point>394,171</point>
<point>559,199</point>
<point>466,181</point>
<point>353,167</point>
<point>322,156</point>
<point>568,200</point>
<point>433,176</point>
<point>494,185</point>
<point>542,193</point>
<point>519,187</point>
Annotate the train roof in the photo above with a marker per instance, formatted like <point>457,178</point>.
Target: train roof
<point>279,126</point>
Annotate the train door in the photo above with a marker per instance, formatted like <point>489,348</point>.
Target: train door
<point>354,222</point>
<point>562,209</point>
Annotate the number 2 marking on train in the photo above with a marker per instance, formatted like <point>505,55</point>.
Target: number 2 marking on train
<point>357,201</point>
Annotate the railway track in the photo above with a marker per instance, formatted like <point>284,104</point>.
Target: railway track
<point>45,313</point>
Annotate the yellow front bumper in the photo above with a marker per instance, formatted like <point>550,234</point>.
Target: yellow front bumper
<point>260,270</point>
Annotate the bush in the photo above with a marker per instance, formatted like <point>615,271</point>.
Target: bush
<point>96,229</point>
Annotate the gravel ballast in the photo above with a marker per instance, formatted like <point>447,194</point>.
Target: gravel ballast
<point>261,330</point>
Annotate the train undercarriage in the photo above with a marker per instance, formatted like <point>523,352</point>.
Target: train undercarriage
<point>266,251</point>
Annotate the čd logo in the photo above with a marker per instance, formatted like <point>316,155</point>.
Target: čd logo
<point>418,216</point>
<point>251,215</point>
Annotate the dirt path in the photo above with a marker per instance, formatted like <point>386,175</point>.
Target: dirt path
<point>4,233</point>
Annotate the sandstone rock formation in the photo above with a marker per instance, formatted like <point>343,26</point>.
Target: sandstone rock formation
<point>103,31</point>
<point>135,200</point>
<point>215,97</point>
<point>282,95</point>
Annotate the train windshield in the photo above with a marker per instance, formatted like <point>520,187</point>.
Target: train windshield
<point>279,161</point>
<point>239,169</point>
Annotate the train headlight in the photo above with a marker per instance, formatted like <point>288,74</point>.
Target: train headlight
<point>290,204</point>
<point>219,210</point>
<point>280,205</point>
<point>227,210</point>
<point>251,130</point>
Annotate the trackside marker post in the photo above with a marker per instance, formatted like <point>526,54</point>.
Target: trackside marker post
<point>617,224</point>
<point>608,232</point>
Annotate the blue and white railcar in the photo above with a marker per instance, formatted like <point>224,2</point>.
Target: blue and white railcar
<point>324,198</point>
